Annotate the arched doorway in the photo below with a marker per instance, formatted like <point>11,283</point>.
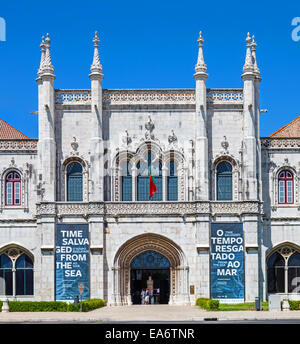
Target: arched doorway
<point>150,269</point>
<point>165,248</point>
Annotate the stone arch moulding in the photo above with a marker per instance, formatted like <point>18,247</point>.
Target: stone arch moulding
<point>85,177</point>
<point>15,250</point>
<point>179,271</point>
<point>235,175</point>
<point>275,176</point>
<point>279,246</point>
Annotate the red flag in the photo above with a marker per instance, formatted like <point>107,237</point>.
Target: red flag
<point>152,186</point>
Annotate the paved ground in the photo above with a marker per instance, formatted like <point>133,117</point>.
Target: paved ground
<point>145,313</point>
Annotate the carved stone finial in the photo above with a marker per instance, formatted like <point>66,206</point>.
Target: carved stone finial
<point>96,67</point>
<point>225,144</point>
<point>126,139</point>
<point>43,51</point>
<point>74,144</point>
<point>47,65</point>
<point>248,66</point>
<point>172,138</point>
<point>200,69</point>
<point>149,126</point>
<point>254,59</point>
<point>12,162</point>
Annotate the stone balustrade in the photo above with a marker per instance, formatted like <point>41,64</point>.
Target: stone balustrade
<point>148,96</point>
<point>18,145</point>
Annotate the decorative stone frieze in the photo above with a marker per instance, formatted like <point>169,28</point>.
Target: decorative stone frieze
<point>148,96</point>
<point>280,143</point>
<point>18,145</point>
<point>144,209</point>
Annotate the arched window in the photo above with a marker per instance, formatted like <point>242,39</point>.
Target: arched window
<point>283,270</point>
<point>294,273</point>
<point>224,181</point>
<point>13,188</point>
<point>172,182</point>
<point>275,266</point>
<point>126,182</point>
<point>6,276</point>
<point>143,179</point>
<point>16,273</point>
<point>24,275</point>
<point>285,188</point>
<point>74,182</point>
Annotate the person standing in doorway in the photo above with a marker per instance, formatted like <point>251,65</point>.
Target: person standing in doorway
<point>143,294</point>
<point>147,297</point>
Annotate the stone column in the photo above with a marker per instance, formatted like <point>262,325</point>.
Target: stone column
<point>201,146</point>
<point>96,141</point>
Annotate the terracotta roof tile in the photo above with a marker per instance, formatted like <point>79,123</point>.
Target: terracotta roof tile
<point>291,129</point>
<point>8,132</point>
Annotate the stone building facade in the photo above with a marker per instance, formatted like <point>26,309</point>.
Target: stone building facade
<point>90,165</point>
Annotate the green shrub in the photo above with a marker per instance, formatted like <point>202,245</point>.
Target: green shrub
<point>53,306</point>
<point>213,305</point>
<point>294,305</point>
<point>207,304</point>
<point>87,305</point>
<point>37,306</point>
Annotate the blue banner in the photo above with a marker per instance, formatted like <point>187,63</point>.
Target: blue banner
<point>72,261</point>
<point>227,262</point>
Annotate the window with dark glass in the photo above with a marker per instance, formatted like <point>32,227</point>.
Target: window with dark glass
<point>275,272</point>
<point>24,275</point>
<point>294,273</point>
<point>284,272</point>
<point>126,182</point>
<point>224,181</point>
<point>6,275</point>
<point>172,182</point>
<point>74,182</point>
<point>285,188</point>
<point>143,179</point>
<point>13,189</point>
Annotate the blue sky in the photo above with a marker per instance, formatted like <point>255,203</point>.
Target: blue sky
<point>149,44</point>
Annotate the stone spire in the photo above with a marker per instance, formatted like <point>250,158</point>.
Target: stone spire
<point>254,60</point>
<point>47,64</point>
<point>43,50</point>
<point>200,68</point>
<point>96,67</point>
<point>248,66</point>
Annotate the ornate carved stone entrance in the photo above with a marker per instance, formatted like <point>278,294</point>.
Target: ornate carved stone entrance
<point>179,270</point>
